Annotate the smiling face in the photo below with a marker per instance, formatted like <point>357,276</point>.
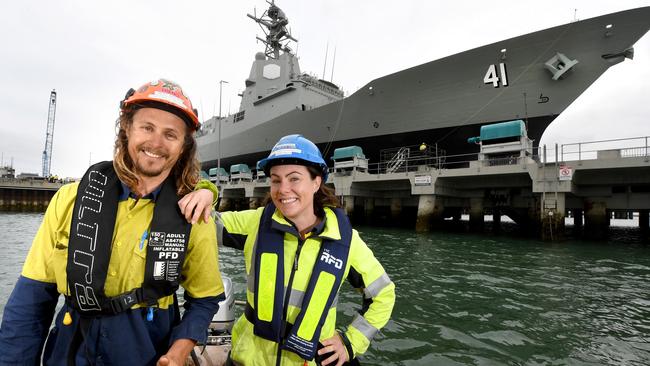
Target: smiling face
<point>292,192</point>
<point>155,142</point>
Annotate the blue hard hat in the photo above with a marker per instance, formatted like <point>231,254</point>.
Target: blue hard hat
<point>294,149</point>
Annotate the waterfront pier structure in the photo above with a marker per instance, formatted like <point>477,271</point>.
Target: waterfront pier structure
<point>427,190</point>
<point>536,188</point>
<point>26,195</point>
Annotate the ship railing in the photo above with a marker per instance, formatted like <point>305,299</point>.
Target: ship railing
<point>503,161</point>
<point>635,152</point>
<point>590,150</point>
<point>406,158</point>
<point>313,81</point>
<point>416,162</point>
<point>396,163</point>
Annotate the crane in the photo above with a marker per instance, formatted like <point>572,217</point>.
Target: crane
<point>49,135</point>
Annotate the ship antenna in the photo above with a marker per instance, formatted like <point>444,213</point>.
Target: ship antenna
<point>273,23</point>
<point>295,52</point>
<point>327,47</point>
<point>333,62</point>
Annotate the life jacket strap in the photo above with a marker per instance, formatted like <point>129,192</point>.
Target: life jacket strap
<point>249,313</point>
<point>125,301</point>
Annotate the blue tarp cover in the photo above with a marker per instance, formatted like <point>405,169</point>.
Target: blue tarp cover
<point>503,130</point>
<point>348,152</point>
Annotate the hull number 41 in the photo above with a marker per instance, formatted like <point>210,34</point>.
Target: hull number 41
<point>491,76</point>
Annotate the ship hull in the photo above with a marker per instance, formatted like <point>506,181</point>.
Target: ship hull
<point>444,102</point>
<point>455,144</point>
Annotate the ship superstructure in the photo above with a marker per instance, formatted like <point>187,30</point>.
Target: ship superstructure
<point>275,84</point>
<point>533,77</point>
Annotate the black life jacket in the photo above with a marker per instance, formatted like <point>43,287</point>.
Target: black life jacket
<point>91,237</point>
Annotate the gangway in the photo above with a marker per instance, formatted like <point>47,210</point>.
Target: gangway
<point>398,160</point>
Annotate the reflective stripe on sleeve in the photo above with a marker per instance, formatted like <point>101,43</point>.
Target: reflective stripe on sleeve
<point>250,282</point>
<point>220,226</point>
<point>250,278</point>
<point>376,286</point>
<point>362,325</point>
<point>296,296</point>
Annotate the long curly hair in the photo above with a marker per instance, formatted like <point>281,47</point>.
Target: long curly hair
<point>325,195</point>
<point>185,172</point>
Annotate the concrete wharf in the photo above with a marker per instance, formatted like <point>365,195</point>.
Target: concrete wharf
<point>591,181</point>
<point>26,194</point>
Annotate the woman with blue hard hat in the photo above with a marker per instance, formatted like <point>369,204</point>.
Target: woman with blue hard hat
<point>298,249</point>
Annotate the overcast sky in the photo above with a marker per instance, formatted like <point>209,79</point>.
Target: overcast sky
<point>91,52</point>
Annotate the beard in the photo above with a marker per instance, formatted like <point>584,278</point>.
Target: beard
<point>148,170</point>
<point>152,168</point>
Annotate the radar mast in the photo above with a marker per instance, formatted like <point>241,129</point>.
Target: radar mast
<point>274,25</point>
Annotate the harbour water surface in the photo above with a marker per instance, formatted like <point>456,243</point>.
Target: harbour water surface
<point>475,300</point>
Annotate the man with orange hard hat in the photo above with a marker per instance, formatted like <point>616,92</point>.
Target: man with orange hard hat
<point>117,247</point>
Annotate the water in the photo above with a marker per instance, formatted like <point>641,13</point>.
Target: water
<point>476,300</point>
<point>18,231</point>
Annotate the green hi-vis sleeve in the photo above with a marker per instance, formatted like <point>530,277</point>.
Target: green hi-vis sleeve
<point>316,305</point>
<point>266,295</point>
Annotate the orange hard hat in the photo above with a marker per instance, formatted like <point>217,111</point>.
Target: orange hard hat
<point>166,95</point>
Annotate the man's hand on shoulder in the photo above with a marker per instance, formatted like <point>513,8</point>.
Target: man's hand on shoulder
<point>196,205</point>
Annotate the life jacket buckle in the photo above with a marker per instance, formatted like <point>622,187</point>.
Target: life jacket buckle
<point>123,302</point>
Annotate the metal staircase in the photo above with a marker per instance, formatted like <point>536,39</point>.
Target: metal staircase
<point>397,161</point>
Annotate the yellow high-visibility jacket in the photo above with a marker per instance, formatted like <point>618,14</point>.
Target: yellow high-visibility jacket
<point>240,229</point>
<point>123,339</point>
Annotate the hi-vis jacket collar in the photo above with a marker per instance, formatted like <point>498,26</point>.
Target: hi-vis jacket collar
<point>126,193</point>
<point>329,231</point>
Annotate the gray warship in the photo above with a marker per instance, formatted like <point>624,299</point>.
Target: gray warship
<point>533,77</point>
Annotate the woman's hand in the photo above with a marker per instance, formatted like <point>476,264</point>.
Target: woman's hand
<point>196,205</point>
<point>334,344</point>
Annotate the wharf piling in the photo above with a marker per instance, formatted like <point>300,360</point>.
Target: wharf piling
<point>476,214</point>
<point>426,212</point>
<point>596,219</point>
<point>643,220</point>
<point>348,205</point>
<point>368,208</point>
